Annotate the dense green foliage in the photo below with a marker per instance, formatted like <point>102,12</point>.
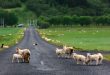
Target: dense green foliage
<point>80,20</point>
<point>71,12</point>
<point>42,22</point>
<point>10,3</point>
<point>7,18</point>
<point>69,7</point>
<point>64,12</point>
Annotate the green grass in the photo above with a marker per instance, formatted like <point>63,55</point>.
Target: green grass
<point>107,57</point>
<point>9,36</point>
<point>85,38</point>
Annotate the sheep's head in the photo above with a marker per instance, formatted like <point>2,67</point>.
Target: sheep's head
<point>17,50</point>
<point>64,47</point>
<point>99,53</point>
<point>74,54</point>
<point>87,61</point>
<point>56,48</point>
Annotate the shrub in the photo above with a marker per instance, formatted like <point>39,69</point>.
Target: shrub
<point>43,24</point>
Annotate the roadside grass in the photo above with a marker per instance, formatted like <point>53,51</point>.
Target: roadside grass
<point>10,36</point>
<point>82,38</point>
<point>107,57</point>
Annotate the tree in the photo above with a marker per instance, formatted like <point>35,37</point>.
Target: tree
<point>9,18</point>
<point>43,23</point>
<point>67,20</point>
<point>85,20</point>
<point>10,3</point>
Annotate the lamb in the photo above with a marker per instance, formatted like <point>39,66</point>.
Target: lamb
<point>60,52</point>
<point>95,57</point>
<point>17,57</point>
<point>25,53</point>
<point>79,57</point>
<point>68,50</point>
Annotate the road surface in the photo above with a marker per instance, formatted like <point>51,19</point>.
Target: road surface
<point>44,60</point>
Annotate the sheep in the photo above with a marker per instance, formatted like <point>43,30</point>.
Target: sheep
<point>17,56</point>
<point>68,50</point>
<point>26,57</point>
<point>20,51</point>
<point>60,52</point>
<point>79,57</point>
<point>25,52</point>
<point>95,57</point>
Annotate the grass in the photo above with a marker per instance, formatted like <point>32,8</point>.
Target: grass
<point>84,38</point>
<point>107,57</point>
<point>9,36</point>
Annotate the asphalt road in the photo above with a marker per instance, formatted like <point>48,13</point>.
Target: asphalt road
<point>44,60</point>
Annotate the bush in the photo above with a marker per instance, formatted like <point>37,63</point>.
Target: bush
<point>8,18</point>
<point>43,25</point>
<point>85,20</point>
<point>10,3</point>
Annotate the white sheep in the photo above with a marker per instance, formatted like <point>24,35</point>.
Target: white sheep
<point>17,57</point>
<point>21,51</point>
<point>25,52</point>
<point>79,57</point>
<point>95,57</point>
<point>60,52</point>
<point>68,50</point>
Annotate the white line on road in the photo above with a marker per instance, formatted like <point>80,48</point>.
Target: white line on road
<point>42,63</point>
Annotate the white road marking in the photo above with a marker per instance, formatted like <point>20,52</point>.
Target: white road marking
<point>42,63</point>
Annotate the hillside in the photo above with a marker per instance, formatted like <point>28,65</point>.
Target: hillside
<point>69,7</point>
<point>16,8</point>
<point>47,10</point>
<point>61,7</point>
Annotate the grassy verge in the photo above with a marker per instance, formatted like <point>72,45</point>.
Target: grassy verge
<point>10,36</point>
<point>83,38</point>
<point>107,57</point>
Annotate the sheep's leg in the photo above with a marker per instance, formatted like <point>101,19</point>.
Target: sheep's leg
<point>77,61</point>
<point>97,62</point>
<point>66,55</point>
<point>13,59</point>
<point>100,61</point>
<point>18,60</point>
<point>58,55</point>
<point>89,62</point>
<point>84,62</point>
<point>69,56</point>
<point>23,59</point>
<point>28,59</point>
<point>61,55</point>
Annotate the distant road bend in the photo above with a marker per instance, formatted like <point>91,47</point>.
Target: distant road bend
<point>44,60</point>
